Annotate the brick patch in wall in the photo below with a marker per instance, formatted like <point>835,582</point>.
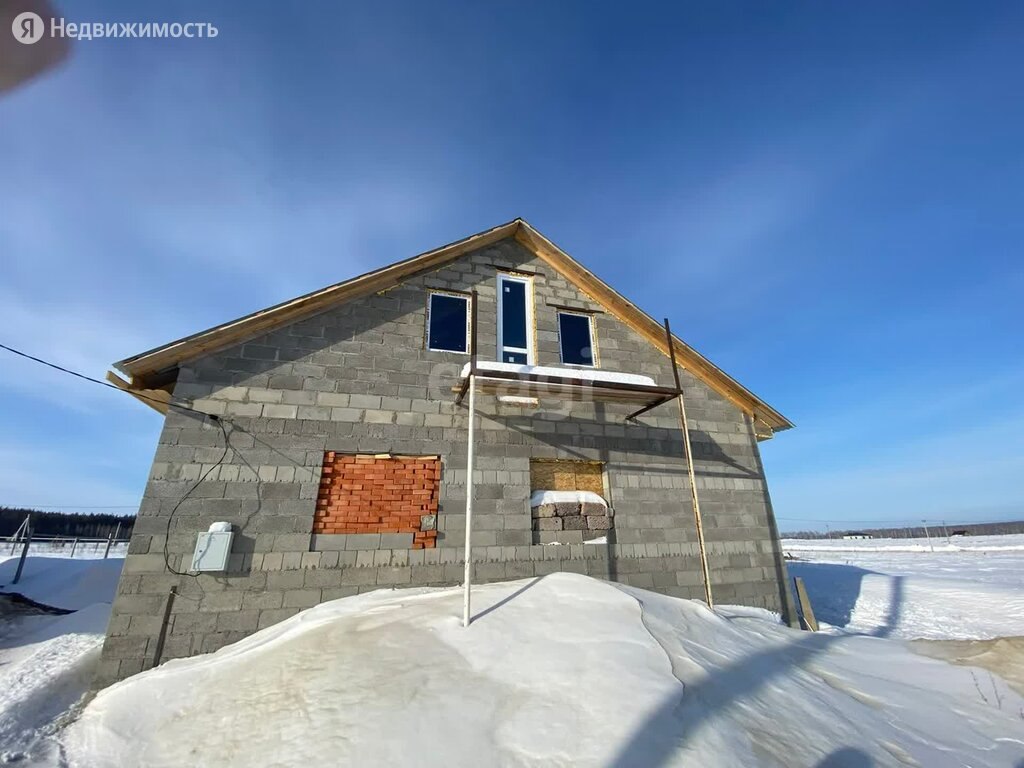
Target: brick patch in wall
<point>378,494</point>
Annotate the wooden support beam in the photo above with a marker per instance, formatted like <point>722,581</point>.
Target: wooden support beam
<point>685,424</point>
<point>807,618</point>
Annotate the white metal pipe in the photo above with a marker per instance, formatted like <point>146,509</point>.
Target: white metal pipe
<point>469,498</point>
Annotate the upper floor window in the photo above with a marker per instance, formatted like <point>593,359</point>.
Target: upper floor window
<point>515,319</point>
<point>576,338</point>
<point>448,322</point>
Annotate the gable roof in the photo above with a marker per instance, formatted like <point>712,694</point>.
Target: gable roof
<point>148,369</point>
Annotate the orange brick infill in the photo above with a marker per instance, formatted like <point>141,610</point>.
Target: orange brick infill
<point>368,494</point>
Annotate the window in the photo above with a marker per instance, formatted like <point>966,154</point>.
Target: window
<point>576,339</point>
<point>448,322</point>
<point>515,320</point>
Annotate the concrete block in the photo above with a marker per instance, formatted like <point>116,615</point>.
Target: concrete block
<point>262,600</point>
<point>386,576</point>
<point>358,576</point>
<point>149,563</point>
<point>329,541</point>
<point>238,621</point>
<point>359,541</point>
<point>301,598</point>
<point>228,600</point>
<point>292,542</point>
<point>270,617</point>
<point>396,540</point>
<point>191,623</point>
<point>284,580</point>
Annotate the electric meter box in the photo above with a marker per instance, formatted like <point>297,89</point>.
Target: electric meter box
<point>212,550</point>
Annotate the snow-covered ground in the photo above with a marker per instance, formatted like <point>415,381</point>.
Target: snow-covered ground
<point>87,550</point>
<point>47,661</point>
<point>63,583</point>
<point>972,588</point>
<point>561,670</point>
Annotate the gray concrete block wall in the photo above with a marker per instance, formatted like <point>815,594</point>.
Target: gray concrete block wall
<point>359,379</point>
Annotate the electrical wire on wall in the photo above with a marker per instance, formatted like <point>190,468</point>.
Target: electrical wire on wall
<point>170,517</point>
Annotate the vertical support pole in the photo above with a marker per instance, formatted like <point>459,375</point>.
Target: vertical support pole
<point>117,531</point>
<point>468,576</point>
<point>685,424</point>
<point>161,638</point>
<point>927,535</point>
<point>74,546</point>
<point>110,540</point>
<point>26,543</point>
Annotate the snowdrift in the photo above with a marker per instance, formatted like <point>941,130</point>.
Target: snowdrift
<point>561,670</point>
<point>47,662</point>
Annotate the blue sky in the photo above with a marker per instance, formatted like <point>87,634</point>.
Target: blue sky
<point>825,200</point>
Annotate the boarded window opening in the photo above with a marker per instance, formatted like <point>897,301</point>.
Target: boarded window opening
<point>565,517</point>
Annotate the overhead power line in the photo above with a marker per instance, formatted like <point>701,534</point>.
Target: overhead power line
<point>102,383</point>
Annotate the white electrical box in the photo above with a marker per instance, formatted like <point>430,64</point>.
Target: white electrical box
<point>213,548</point>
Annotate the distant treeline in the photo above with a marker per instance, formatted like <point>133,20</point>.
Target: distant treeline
<point>69,524</point>
<point>917,532</point>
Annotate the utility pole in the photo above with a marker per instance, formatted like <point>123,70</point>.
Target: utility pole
<point>25,544</point>
<point>927,535</point>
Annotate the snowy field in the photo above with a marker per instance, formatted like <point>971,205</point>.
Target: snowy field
<point>972,588</point>
<point>85,550</point>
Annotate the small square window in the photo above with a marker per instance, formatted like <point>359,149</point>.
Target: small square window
<point>576,339</point>
<point>447,322</point>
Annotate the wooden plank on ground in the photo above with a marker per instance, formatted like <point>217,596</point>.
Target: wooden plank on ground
<point>806,611</point>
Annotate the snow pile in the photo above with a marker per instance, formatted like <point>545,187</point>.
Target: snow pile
<point>46,661</point>
<point>566,497</point>
<point>62,582</point>
<point>560,670</point>
<point>581,374</point>
<point>46,665</point>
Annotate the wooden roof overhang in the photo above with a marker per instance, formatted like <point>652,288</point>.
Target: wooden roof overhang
<point>153,368</point>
